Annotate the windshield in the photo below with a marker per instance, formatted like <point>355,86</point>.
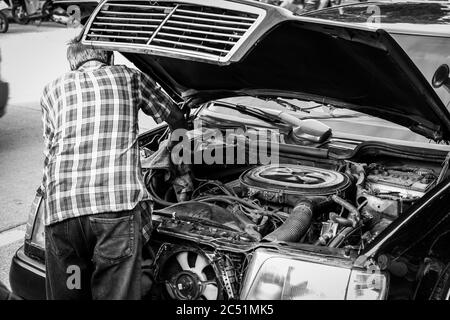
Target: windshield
<point>437,13</point>
<point>341,121</point>
<point>425,37</point>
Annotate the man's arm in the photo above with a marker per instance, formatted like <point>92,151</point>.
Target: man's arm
<point>157,104</point>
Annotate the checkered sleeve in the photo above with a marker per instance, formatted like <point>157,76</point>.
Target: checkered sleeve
<point>47,132</point>
<point>153,100</point>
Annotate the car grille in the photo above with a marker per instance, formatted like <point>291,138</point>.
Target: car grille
<point>188,28</point>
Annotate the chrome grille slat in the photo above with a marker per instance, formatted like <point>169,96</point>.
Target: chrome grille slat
<point>143,14</point>
<point>195,38</point>
<point>129,19</point>
<point>149,32</point>
<point>245,24</point>
<point>206,31</point>
<point>225,35</point>
<point>205,26</point>
<point>190,45</point>
<point>216,15</point>
<point>153,26</point>
<point>120,37</point>
<point>126,5</point>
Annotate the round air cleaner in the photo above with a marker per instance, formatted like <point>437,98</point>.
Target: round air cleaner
<point>280,183</point>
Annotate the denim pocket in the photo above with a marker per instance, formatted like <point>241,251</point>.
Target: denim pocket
<point>57,239</point>
<point>115,237</point>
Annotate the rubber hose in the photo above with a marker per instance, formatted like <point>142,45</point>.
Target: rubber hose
<point>295,226</point>
<point>148,181</point>
<point>353,216</point>
<point>341,220</point>
<point>340,237</point>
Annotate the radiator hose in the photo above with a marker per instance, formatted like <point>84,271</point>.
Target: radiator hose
<point>295,226</point>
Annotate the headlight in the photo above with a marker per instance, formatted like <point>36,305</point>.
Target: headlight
<point>272,276</point>
<point>367,285</point>
<point>35,229</point>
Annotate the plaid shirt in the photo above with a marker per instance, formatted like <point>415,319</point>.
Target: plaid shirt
<point>92,159</point>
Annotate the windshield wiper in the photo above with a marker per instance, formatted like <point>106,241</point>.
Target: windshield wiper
<point>306,130</point>
<point>291,106</point>
<point>258,113</point>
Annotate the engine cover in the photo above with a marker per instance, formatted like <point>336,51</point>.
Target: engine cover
<point>285,182</point>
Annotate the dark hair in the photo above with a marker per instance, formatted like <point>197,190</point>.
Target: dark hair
<point>78,53</point>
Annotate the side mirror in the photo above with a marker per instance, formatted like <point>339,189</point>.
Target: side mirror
<point>441,77</point>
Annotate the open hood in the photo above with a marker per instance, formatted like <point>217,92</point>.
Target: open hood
<point>276,54</point>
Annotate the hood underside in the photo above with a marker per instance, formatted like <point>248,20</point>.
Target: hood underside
<point>284,55</point>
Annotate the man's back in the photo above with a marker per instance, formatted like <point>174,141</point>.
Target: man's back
<point>91,132</point>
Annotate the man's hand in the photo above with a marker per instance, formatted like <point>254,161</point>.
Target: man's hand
<point>176,120</point>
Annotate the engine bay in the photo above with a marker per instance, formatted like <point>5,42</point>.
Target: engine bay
<point>202,241</point>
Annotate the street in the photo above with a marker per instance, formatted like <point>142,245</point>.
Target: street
<point>310,159</point>
<point>32,56</point>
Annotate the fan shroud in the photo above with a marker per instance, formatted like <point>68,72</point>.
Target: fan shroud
<point>187,273</point>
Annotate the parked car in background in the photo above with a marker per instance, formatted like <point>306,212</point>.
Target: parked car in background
<point>4,23</point>
<point>357,205</point>
<point>68,12</point>
<point>4,91</point>
<point>72,12</point>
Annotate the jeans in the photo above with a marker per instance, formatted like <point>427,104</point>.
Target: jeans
<point>95,257</point>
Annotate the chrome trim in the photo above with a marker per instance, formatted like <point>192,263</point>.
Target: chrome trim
<point>123,31</point>
<point>247,24</point>
<point>206,26</point>
<point>135,13</point>
<point>138,5</point>
<point>120,37</point>
<point>170,14</point>
<point>29,264</point>
<point>129,19</point>
<point>167,52</point>
<point>204,32</point>
<point>195,38</point>
<point>216,15</point>
<point>191,45</point>
<point>154,26</point>
<point>225,41</point>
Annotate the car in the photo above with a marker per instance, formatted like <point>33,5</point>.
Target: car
<point>4,92</point>
<point>418,39</point>
<point>80,10</point>
<point>318,150</point>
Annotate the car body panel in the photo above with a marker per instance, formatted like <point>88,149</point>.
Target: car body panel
<point>27,277</point>
<point>383,81</point>
<point>425,39</point>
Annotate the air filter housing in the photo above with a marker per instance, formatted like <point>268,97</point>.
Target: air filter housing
<point>286,183</point>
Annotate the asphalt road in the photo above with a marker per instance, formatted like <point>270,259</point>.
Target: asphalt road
<point>32,56</point>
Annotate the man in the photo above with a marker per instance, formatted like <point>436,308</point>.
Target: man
<point>94,191</point>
